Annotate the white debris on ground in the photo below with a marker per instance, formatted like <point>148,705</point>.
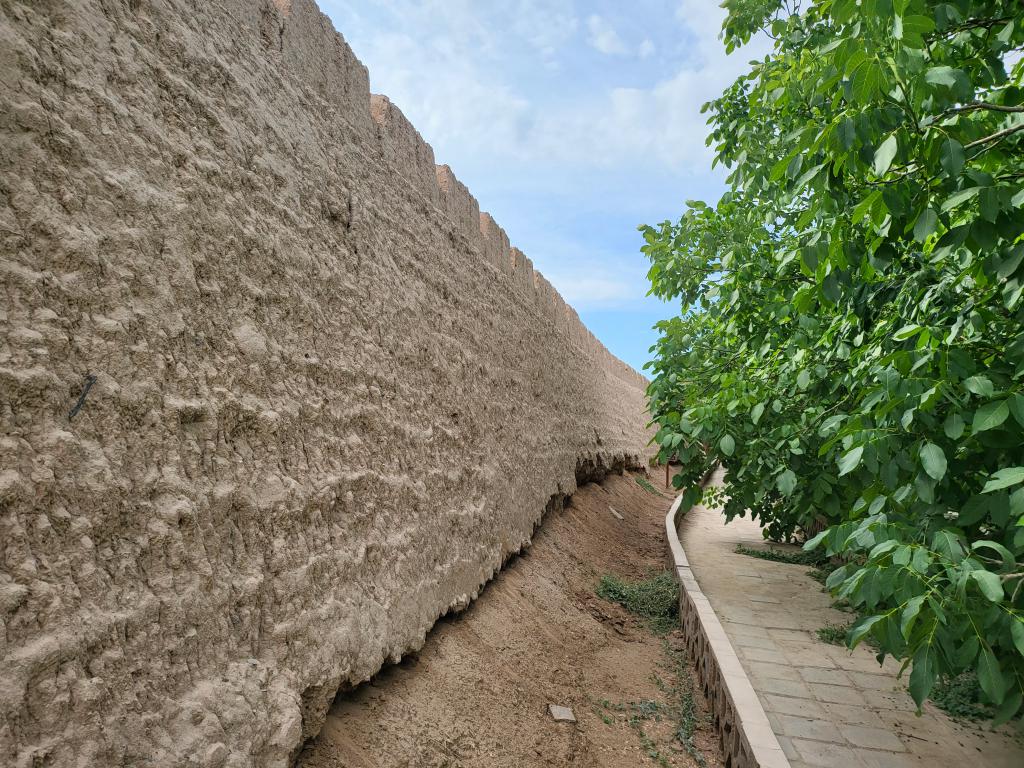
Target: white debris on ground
<point>561,714</point>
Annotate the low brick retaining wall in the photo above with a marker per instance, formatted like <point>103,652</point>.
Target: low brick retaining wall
<point>747,737</point>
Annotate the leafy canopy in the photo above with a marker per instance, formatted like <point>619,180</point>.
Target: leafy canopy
<point>851,346</point>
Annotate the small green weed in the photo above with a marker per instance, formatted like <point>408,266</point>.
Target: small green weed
<point>780,556</point>
<point>820,575</point>
<point>650,748</point>
<point>960,698</point>
<point>645,709</point>
<point>686,713</point>
<point>644,483</point>
<point>834,634</point>
<point>655,599</point>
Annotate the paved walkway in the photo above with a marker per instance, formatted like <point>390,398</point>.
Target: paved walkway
<point>828,706</point>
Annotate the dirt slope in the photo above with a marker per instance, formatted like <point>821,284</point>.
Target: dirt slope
<point>476,694</point>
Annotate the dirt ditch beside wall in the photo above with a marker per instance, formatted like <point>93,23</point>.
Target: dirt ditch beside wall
<point>477,692</point>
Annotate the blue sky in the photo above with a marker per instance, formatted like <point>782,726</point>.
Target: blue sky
<point>571,123</point>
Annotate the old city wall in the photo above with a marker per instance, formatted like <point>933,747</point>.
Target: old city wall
<point>328,399</point>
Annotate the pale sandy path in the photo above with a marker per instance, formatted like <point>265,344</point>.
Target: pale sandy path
<point>829,707</point>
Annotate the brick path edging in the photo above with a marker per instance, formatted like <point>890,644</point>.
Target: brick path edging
<point>748,740</point>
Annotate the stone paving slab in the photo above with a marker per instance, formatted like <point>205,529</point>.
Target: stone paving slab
<point>829,707</point>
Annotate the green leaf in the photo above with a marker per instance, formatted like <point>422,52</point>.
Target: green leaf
<point>884,155</point>
<point>859,630</point>
<point>951,156</point>
<point>1009,562</point>
<point>847,133</point>
<point>915,26</point>
<point>925,225</point>
<point>988,203</point>
<point>921,560</point>
<point>947,543</point>
<point>979,385</point>
<point>923,675</point>
<point>1004,478</point>
<point>990,416</point>
<point>906,332</point>
<point>940,76</point>
<point>1009,263</point>
<point>948,77</point>
<point>816,540</point>
<point>1005,711</point>
<point>779,169</point>
<point>1017,505</point>
<point>786,483</point>
<point>910,612</point>
<point>867,81</point>
<point>1016,403</point>
<point>960,198</point>
<point>830,424</point>
<point>850,460</point>
<point>953,426</point>
<point>865,205</point>
<point>990,676</point>
<point>727,444</point>
<point>933,460</point>
<point>756,413</point>
<point>803,379</point>
<point>989,585</point>
<point>691,495</point>
<point>1017,633</point>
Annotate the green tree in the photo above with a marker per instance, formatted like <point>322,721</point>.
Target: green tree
<point>851,345</point>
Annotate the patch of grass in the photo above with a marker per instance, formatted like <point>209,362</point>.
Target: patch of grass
<point>678,708</point>
<point>645,709</point>
<point>650,748</point>
<point>655,599</point>
<point>960,698</point>
<point>780,556</point>
<point>644,483</point>
<point>834,634</point>
<point>820,575</point>
<point>686,714</point>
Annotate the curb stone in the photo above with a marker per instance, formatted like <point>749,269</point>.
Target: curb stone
<point>748,740</point>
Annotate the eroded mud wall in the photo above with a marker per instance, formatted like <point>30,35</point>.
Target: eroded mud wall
<point>329,399</point>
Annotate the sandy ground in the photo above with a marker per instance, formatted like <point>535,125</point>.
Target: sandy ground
<point>477,692</point>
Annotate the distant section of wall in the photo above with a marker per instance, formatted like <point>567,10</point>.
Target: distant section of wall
<point>319,398</point>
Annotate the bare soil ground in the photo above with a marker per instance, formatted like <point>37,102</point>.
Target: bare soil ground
<point>477,692</point>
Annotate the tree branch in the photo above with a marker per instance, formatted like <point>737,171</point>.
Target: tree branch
<point>997,136</point>
<point>974,106</point>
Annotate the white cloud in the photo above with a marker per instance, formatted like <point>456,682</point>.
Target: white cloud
<point>446,94</point>
<point>458,70</point>
<point>705,23</point>
<point>547,26</point>
<point>590,291</point>
<point>603,36</point>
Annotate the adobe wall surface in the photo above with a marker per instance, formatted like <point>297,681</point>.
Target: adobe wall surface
<point>329,398</point>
